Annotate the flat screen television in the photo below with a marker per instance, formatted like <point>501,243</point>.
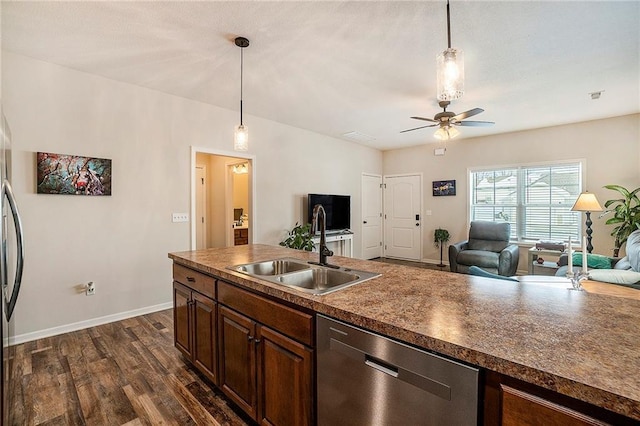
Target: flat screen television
<point>336,207</point>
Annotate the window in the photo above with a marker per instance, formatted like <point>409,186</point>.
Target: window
<point>535,199</point>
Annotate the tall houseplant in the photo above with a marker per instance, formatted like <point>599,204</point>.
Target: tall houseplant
<point>626,215</point>
<point>299,238</point>
<point>441,237</point>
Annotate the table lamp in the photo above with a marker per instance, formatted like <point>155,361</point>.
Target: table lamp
<point>587,203</point>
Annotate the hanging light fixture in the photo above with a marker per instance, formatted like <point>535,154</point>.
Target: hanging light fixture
<point>450,69</point>
<point>445,133</point>
<point>241,136</point>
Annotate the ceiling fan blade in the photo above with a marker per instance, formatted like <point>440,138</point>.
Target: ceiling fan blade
<point>418,128</point>
<point>466,114</point>
<point>475,123</point>
<point>425,119</point>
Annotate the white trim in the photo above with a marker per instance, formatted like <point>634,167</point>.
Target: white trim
<point>81,325</point>
<point>252,187</point>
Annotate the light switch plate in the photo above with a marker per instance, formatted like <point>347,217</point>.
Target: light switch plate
<point>180,217</point>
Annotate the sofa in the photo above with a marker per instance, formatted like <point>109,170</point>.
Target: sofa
<point>488,247</point>
<point>624,271</point>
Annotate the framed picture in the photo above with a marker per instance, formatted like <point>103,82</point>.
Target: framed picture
<point>73,174</point>
<point>444,187</point>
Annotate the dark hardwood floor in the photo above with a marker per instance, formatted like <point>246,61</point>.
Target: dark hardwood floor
<point>123,373</point>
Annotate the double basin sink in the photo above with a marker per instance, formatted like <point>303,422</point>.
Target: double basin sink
<point>295,273</point>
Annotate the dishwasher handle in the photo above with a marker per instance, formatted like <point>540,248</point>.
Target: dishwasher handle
<point>386,368</point>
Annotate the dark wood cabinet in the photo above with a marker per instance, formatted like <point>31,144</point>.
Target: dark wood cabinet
<point>264,371</point>
<point>194,322</point>
<point>284,380</point>
<point>511,402</point>
<point>240,236</point>
<point>238,359</point>
<point>258,351</point>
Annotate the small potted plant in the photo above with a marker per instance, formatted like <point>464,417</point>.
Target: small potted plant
<point>299,238</point>
<point>626,215</point>
<point>441,237</point>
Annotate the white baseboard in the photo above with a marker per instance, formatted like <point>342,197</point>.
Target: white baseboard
<point>28,337</point>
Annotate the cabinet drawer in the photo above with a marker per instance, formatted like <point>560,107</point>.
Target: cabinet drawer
<point>195,280</point>
<point>291,322</point>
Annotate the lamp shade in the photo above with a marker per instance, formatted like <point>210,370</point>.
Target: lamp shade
<point>450,74</point>
<point>241,138</point>
<point>587,202</point>
<point>446,133</point>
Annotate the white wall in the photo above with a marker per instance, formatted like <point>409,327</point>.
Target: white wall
<point>611,148</point>
<point>121,242</point>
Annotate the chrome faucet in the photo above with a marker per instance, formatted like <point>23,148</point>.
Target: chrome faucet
<point>319,213</point>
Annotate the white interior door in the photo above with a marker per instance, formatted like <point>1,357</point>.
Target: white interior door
<point>371,216</point>
<point>403,214</point>
<point>201,208</point>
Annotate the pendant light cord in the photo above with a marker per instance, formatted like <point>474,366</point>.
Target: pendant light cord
<point>241,69</point>
<point>448,26</point>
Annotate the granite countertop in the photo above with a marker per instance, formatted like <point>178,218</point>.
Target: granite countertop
<point>580,344</point>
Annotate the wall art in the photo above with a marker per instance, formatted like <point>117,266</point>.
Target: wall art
<point>444,187</point>
<point>73,174</point>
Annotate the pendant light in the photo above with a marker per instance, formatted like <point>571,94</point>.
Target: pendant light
<point>241,136</point>
<point>446,132</point>
<point>450,69</point>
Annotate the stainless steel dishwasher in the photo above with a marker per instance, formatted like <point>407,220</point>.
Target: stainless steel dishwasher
<point>367,379</point>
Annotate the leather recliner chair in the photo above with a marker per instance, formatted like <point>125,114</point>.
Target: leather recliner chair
<point>488,248</point>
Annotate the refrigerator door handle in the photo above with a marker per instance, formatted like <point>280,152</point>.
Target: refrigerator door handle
<point>11,303</point>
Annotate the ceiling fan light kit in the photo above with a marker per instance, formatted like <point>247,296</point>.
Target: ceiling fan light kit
<point>241,134</point>
<point>450,69</point>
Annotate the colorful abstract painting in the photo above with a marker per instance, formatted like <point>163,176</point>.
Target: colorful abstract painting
<point>72,174</point>
<point>444,187</point>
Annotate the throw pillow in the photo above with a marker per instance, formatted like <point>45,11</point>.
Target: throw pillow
<point>595,261</point>
<point>615,276</point>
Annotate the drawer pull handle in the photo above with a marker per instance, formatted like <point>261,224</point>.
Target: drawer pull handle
<point>250,338</point>
<point>256,341</point>
<point>191,279</point>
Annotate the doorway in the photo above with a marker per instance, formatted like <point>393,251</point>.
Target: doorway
<point>403,216</point>
<point>222,187</point>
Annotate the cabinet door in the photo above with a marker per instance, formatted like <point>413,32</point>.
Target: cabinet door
<point>181,318</point>
<point>284,380</point>
<point>523,409</point>
<point>236,340</point>
<point>204,335</point>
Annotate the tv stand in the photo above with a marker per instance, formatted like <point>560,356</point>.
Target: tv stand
<point>339,241</point>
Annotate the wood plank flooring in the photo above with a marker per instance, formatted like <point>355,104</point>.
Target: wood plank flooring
<point>123,373</point>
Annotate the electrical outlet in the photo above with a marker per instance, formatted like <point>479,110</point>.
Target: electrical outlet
<point>180,217</point>
<point>91,288</point>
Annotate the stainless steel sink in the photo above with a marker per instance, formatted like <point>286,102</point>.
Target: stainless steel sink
<point>272,267</point>
<point>297,274</point>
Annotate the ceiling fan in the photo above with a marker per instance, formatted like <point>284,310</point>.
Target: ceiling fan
<point>447,119</point>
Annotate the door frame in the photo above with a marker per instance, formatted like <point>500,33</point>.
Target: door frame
<point>384,209</point>
<point>252,187</point>
<point>204,201</point>
<point>381,236</point>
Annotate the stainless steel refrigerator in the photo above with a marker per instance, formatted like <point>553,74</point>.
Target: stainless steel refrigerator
<point>11,265</point>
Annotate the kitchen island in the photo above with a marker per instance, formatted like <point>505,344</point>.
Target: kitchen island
<point>580,345</point>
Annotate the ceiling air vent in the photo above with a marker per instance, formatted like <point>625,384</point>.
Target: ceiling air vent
<point>358,137</point>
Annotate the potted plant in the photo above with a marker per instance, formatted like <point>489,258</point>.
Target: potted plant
<point>441,237</point>
<point>626,215</point>
<point>299,238</point>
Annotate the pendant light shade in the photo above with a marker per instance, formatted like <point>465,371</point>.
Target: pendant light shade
<point>241,135</point>
<point>445,133</point>
<point>241,138</point>
<point>450,69</point>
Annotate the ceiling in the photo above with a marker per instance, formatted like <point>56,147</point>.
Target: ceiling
<point>351,66</point>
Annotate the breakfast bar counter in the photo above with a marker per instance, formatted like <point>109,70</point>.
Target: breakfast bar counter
<point>580,344</point>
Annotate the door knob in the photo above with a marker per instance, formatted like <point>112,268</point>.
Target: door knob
<point>417,224</point>
<point>364,221</point>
